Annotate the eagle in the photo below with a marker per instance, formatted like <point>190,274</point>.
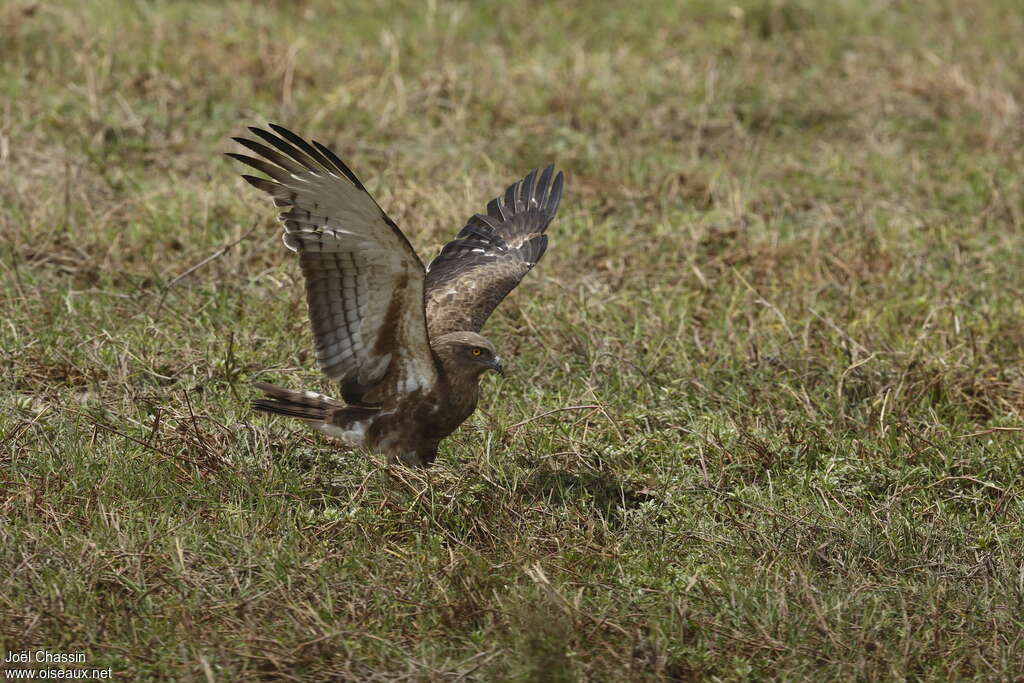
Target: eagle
<point>402,340</point>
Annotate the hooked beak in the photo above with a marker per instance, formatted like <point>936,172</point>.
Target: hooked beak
<point>497,366</point>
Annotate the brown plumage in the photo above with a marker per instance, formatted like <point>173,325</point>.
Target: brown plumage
<point>401,340</point>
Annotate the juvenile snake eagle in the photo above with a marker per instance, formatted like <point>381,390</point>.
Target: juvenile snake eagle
<point>401,340</point>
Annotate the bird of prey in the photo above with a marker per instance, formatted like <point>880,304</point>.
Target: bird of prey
<point>402,341</point>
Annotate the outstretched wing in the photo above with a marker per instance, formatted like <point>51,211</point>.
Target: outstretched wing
<point>489,256</point>
<point>364,282</point>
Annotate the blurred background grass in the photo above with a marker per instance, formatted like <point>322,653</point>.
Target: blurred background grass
<point>787,270</point>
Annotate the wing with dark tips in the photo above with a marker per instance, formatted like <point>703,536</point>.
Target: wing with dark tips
<point>488,258</point>
<point>364,282</point>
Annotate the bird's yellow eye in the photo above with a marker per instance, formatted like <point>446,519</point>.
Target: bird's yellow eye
<point>476,352</point>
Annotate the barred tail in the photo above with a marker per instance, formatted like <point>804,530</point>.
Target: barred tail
<point>304,405</point>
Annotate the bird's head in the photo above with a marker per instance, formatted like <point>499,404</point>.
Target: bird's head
<point>468,352</point>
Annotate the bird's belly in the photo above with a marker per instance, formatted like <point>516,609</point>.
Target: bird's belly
<point>439,422</point>
<point>412,427</point>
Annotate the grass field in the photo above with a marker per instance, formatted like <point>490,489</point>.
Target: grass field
<point>766,401</point>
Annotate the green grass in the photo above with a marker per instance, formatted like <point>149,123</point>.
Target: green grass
<point>788,270</point>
